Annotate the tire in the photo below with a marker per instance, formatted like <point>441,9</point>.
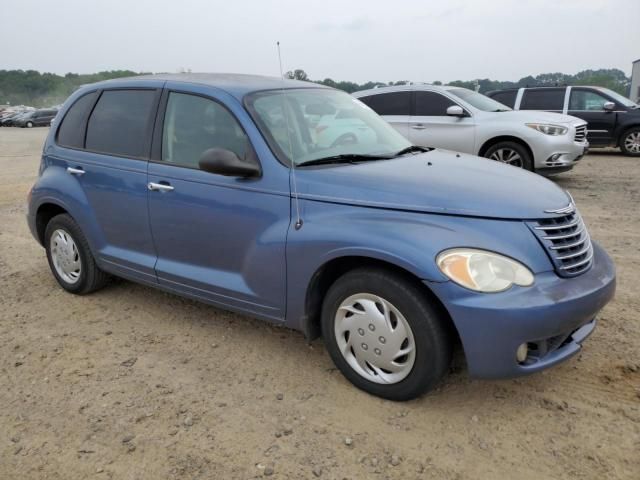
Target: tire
<point>364,363</point>
<point>630,142</point>
<point>87,277</point>
<point>29,124</point>
<point>504,151</point>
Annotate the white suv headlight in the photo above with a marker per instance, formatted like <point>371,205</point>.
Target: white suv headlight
<point>483,271</point>
<point>548,129</point>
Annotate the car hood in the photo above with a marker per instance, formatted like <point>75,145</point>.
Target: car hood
<point>439,182</point>
<point>534,116</point>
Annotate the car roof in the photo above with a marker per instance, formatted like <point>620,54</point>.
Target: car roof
<point>236,84</point>
<point>405,87</point>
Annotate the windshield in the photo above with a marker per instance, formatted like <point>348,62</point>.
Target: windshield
<point>618,98</point>
<point>321,123</point>
<point>478,100</point>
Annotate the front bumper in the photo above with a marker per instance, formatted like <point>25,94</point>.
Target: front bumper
<point>557,154</point>
<point>555,315</point>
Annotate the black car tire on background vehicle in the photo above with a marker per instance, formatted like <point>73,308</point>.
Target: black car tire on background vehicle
<point>630,142</point>
<point>383,322</point>
<point>70,257</point>
<point>29,124</point>
<point>510,153</point>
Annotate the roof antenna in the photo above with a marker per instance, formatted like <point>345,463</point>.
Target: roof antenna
<point>298,223</point>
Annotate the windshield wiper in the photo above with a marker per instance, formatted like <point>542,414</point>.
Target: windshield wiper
<point>411,149</point>
<point>343,158</point>
<point>501,110</point>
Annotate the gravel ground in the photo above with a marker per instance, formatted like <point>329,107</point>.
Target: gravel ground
<point>132,383</point>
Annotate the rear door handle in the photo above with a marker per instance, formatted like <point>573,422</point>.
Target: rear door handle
<point>159,187</point>
<point>75,171</point>
<point>418,126</point>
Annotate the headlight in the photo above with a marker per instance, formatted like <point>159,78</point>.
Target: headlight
<point>548,129</point>
<point>483,271</point>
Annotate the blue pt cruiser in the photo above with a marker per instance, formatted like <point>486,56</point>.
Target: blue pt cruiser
<point>217,187</point>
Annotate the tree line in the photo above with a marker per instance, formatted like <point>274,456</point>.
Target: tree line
<point>30,87</point>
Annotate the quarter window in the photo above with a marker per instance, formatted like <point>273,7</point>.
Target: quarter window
<point>119,124</point>
<point>72,128</point>
<point>543,99</point>
<point>193,125</point>
<point>431,104</point>
<point>586,100</point>
<point>392,103</point>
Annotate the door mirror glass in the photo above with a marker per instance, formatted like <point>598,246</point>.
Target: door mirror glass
<point>455,111</point>
<point>226,162</point>
<point>609,106</point>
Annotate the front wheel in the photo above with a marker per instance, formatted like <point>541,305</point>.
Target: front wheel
<point>384,335</point>
<point>29,124</point>
<point>630,142</point>
<point>510,153</point>
<point>70,258</point>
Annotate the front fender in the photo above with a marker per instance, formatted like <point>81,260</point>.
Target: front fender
<point>408,240</point>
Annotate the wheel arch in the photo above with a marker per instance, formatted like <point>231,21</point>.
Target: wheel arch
<point>44,214</point>
<point>505,138</point>
<point>329,272</point>
<point>623,132</point>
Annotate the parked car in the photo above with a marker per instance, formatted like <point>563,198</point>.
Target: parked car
<point>614,120</point>
<point>465,121</point>
<point>212,187</point>
<point>8,119</point>
<point>38,118</point>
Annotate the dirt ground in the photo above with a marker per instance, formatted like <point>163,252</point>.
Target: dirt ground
<point>132,383</point>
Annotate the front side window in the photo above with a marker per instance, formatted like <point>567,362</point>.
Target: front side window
<point>431,104</point>
<point>543,99</point>
<point>193,125</point>
<point>308,124</point>
<point>391,103</point>
<point>119,124</point>
<point>586,100</point>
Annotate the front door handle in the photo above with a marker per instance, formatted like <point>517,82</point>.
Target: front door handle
<point>75,171</point>
<point>159,187</point>
<point>418,126</point>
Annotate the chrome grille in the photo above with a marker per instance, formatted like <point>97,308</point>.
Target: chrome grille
<point>581,134</point>
<point>567,242</point>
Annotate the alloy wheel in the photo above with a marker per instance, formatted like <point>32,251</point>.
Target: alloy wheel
<point>632,142</point>
<point>374,338</point>
<point>508,156</point>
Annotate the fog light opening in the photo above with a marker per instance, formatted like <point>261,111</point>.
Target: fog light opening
<point>522,352</point>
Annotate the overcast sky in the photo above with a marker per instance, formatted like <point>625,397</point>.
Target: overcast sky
<point>420,40</point>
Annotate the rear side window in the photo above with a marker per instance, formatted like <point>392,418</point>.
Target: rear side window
<point>507,98</point>
<point>431,104</point>
<point>392,103</point>
<point>543,99</point>
<point>119,123</point>
<point>71,131</point>
<point>193,125</point>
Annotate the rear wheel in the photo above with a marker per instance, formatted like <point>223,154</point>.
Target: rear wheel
<point>510,153</point>
<point>630,142</point>
<point>383,334</point>
<point>70,258</point>
<point>29,124</point>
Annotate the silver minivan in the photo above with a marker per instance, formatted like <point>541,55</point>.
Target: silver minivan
<point>462,120</point>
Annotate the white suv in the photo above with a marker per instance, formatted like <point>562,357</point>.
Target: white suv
<point>462,120</point>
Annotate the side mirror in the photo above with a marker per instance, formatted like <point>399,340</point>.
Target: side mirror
<point>226,162</point>
<point>456,111</point>
<point>609,106</point>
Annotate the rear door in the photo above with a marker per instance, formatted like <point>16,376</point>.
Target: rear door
<point>106,140</point>
<point>218,238</point>
<point>430,126</point>
<point>395,107</point>
<point>588,105</point>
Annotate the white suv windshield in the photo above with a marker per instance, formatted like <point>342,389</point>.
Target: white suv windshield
<point>478,100</point>
<point>320,123</point>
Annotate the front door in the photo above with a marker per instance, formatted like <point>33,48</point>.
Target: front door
<point>430,126</point>
<point>218,238</point>
<point>589,106</point>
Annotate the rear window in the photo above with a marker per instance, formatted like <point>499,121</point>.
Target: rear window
<point>543,99</point>
<point>71,131</point>
<point>119,124</point>
<point>507,98</point>
<point>392,103</point>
